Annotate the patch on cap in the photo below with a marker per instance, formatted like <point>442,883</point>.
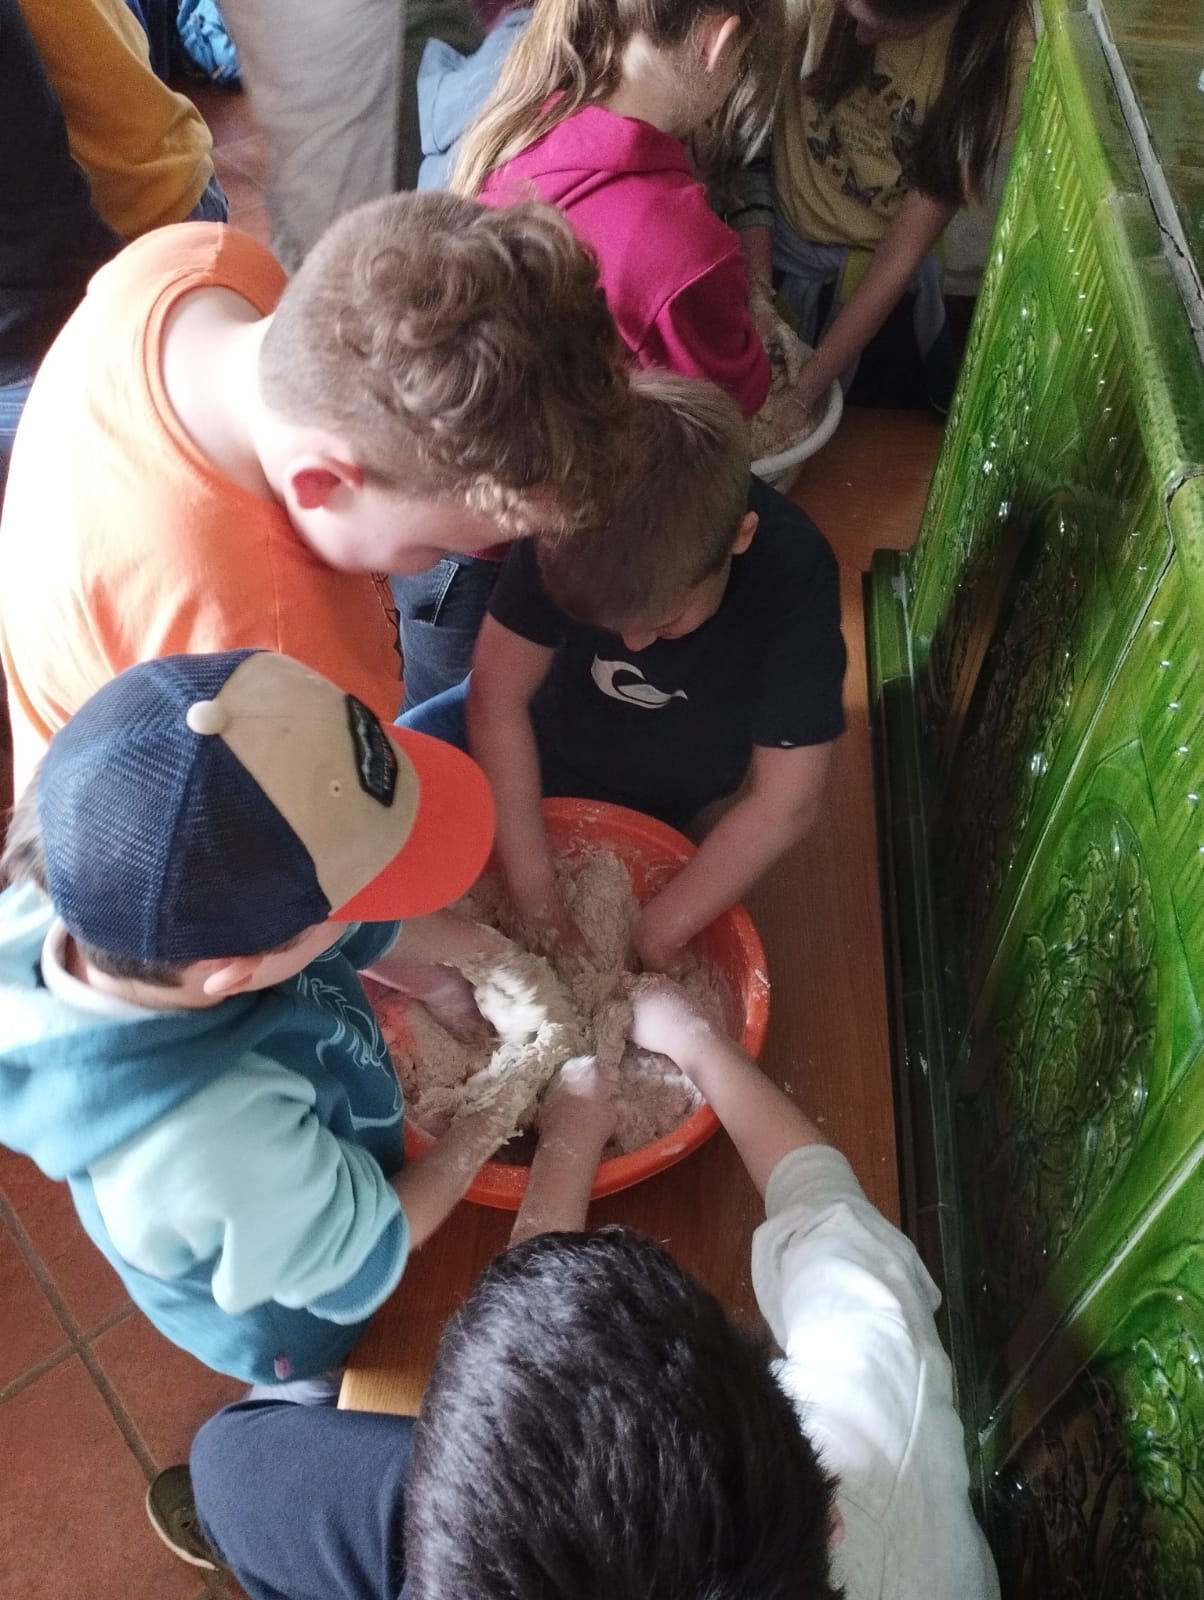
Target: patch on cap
<point>375,756</point>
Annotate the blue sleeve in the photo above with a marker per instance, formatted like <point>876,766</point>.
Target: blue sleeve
<point>801,695</point>
<point>520,603</point>
<point>305,1502</point>
<point>365,942</point>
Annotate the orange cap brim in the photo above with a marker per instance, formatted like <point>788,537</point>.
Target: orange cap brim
<point>449,844</point>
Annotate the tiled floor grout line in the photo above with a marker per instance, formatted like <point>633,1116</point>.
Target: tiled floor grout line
<point>119,1414</point>
<point>38,1370</point>
<point>107,1323</point>
<point>35,1264</point>
<point>79,1343</point>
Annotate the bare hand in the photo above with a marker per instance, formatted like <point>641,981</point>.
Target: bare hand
<point>551,927</point>
<point>665,1019</point>
<point>785,350</point>
<point>655,951</point>
<point>449,998</point>
<point>578,1107</point>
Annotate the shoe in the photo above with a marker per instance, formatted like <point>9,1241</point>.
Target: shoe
<point>172,1513</point>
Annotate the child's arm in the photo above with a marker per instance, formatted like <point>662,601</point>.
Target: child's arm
<point>419,964</point>
<point>776,807</point>
<point>914,229</point>
<point>763,1123</point>
<point>576,1119</point>
<point>431,1186</point>
<point>506,672</point>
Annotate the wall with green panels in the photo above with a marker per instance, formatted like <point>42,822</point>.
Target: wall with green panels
<point>1040,708</point>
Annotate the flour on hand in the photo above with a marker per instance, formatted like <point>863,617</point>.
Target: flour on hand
<point>544,1011</point>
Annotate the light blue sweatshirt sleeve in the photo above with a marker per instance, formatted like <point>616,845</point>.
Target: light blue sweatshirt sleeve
<point>244,1174</point>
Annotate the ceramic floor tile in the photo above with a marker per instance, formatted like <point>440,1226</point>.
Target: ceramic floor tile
<point>227,111</point>
<point>242,192</point>
<point>249,155</point>
<point>72,1520</point>
<point>90,1287</point>
<point>255,221</point>
<point>32,1332</point>
<point>165,1392</point>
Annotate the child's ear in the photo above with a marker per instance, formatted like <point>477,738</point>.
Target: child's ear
<point>718,32</point>
<point>235,975</point>
<point>314,480</point>
<point>744,533</point>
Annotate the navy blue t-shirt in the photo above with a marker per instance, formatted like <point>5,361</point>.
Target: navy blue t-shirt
<point>669,729</point>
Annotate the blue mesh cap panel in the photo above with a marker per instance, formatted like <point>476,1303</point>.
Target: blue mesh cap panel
<point>238,878</point>
<point>158,843</point>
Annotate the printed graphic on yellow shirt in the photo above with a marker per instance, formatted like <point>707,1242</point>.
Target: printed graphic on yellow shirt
<point>870,134</point>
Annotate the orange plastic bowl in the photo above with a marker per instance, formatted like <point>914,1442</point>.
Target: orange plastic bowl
<point>652,853</point>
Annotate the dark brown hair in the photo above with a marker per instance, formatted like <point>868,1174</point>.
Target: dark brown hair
<point>597,1428</point>
<point>463,351</point>
<point>963,127</point>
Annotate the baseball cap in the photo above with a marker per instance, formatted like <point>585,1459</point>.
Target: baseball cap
<point>218,805</point>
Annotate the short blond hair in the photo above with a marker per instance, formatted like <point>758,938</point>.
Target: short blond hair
<point>675,514</point>
<point>461,351</point>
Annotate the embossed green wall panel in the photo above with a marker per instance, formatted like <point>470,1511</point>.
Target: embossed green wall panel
<point>1103,1496</point>
<point>1070,1098</point>
<point>1039,705</point>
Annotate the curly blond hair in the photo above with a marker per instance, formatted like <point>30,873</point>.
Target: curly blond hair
<point>461,352</point>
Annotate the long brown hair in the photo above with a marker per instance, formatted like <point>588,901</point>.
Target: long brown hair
<point>571,56</point>
<point>962,130</point>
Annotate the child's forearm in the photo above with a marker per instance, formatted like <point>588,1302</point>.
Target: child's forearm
<point>757,244</point>
<point>502,740</point>
<point>562,1178</point>
<point>734,856</point>
<point>431,1186</point>
<point>913,231</point>
<point>440,939</point>
<point>762,1122</point>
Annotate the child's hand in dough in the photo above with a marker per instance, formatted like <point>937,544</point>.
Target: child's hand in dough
<point>578,1107</point>
<point>782,344</point>
<point>664,1018</point>
<point>448,996</point>
<point>656,948</point>
<point>551,928</point>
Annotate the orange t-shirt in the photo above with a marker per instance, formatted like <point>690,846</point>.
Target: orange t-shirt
<point>121,542</point>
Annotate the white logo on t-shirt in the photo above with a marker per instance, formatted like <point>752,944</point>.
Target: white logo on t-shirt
<point>641,693</point>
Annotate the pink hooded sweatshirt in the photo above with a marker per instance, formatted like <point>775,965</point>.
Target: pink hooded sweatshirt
<point>672,272</point>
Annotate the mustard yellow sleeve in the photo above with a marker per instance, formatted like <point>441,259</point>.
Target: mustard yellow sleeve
<point>145,148</point>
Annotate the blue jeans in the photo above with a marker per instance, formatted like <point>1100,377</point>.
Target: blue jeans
<point>440,614</point>
<point>212,206</point>
<point>12,402</point>
<point>443,716</point>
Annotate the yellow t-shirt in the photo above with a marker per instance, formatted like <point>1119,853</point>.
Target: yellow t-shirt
<point>146,149</point>
<point>840,175</point>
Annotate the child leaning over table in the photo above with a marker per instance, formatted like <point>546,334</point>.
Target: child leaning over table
<point>200,869</point>
<point>685,660</point>
<point>669,1457</point>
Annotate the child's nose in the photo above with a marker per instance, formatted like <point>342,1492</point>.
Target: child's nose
<point>638,641</point>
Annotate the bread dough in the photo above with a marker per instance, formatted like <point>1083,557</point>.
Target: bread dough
<point>543,1012</point>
